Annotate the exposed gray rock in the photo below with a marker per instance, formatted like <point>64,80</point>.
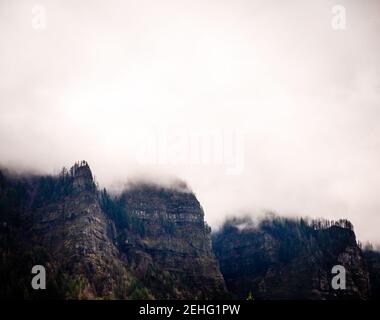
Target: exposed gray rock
<point>288,259</point>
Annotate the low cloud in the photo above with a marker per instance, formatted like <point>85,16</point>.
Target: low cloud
<point>101,77</point>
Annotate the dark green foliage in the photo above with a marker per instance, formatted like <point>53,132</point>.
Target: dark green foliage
<point>13,196</point>
<point>72,287</point>
<point>16,263</point>
<point>372,259</point>
<point>284,251</point>
<point>53,188</point>
<point>138,291</point>
<point>49,189</point>
<point>115,209</point>
<point>297,236</point>
<point>19,197</point>
<point>121,289</point>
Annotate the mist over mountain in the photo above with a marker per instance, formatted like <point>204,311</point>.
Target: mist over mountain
<point>282,258</point>
<point>152,242</point>
<point>256,105</point>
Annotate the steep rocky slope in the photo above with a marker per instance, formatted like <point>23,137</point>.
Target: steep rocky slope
<point>62,227</point>
<point>73,230</point>
<point>372,259</point>
<point>289,259</point>
<point>167,244</point>
<point>150,243</point>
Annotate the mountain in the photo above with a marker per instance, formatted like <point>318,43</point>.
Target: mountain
<point>281,258</point>
<point>166,243</point>
<point>152,242</point>
<point>149,243</point>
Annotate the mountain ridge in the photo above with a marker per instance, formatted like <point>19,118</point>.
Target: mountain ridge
<point>152,242</point>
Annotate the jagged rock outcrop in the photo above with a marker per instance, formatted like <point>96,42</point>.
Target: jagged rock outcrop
<point>63,228</point>
<point>150,243</point>
<point>73,230</point>
<point>288,259</point>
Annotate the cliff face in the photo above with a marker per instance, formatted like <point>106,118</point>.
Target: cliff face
<point>73,230</point>
<point>170,246</point>
<point>372,259</point>
<point>149,243</point>
<point>62,227</point>
<point>152,242</point>
<point>286,259</point>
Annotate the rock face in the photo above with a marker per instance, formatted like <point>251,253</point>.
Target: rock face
<point>150,243</point>
<point>170,250</point>
<point>73,230</point>
<point>65,230</point>
<point>372,259</point>
<point>288,259</point>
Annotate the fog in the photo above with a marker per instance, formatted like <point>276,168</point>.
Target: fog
<point>256,105</point>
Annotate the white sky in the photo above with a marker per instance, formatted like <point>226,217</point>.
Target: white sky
<point>106,77</point>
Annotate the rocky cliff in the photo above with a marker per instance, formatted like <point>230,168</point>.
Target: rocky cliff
<point>63,228</point>
<point>290,259</point>
<point>149,243</point>
<point>167,244</point>
<point>372,259</point>
<point>152,242</point>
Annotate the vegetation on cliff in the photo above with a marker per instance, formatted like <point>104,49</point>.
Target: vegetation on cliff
<point>152,242</point>
<point>283,258</point>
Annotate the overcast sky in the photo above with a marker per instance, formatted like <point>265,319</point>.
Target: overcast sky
<point>258,105</point>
